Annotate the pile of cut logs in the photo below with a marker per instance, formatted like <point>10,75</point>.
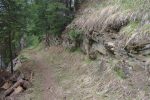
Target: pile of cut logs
<point>12,84</point>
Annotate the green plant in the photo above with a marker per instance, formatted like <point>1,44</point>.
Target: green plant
<point>88,61</point>
<point>74,34</point>
<point>120,72</point>
<point>76,38</point>
<point>33,41</point>
<point>75,49</point>
<point>23,58</point>
<point>130,28</point>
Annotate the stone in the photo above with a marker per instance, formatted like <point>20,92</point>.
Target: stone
<point>110,46</point>
<point>100,48</point>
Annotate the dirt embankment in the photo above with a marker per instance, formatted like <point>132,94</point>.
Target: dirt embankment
<point>124,24</point>
<point>116,34</point>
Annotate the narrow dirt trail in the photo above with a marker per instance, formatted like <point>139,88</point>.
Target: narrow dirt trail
<point>50,88</point>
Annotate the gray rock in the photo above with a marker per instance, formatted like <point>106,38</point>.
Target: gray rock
<point>16,64</point>
<point>110,46</point>
<point>100,48</point>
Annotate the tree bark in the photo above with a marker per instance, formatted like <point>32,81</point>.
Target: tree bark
<point>10,51</point>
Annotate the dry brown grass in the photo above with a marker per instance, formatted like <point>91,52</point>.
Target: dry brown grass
<point>94,20</point>
<point>124,17</point>
<point>141,38</point>
<point>96,80</point>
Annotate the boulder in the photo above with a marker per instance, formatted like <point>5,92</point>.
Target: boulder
<point>99,48</point>
<point>16,64</point>
<point>110,46</point>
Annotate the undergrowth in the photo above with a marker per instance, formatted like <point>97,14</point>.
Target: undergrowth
<point>74,34</point>
<point>130,28</point>
<point>120,72</point>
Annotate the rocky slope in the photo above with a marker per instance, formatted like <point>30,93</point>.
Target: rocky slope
<point>116,34</point>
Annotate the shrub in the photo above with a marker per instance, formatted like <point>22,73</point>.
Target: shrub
<point>32,41</point>
<point>74,34</point>
<point>120,72</point>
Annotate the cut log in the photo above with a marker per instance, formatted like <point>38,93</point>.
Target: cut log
<point>18,87</point>
<point>17,90</point>
<point>7,85</point>
<point>26,84</point>
<point>11,89</point>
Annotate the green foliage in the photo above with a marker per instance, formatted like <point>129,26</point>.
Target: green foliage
<point>130,28</point>
<point>30,18</point>
<point>23,58</point>
<point>120,72</point>
<point>57,18</point>
<point>74,49</point>
<point>12,25</point>
<point>47,17</point>
<point>74,34</point>
<point>33,41</point>
<point>76,37</point>
<point>146,28</point>
<point>88,61</point>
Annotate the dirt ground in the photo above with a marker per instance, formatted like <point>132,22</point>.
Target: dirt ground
<point>45,86</point>
<point>50,88</point>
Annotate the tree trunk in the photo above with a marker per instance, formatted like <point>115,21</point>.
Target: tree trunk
<point>1,61</point>
<point>47,40</point>
<point>10,51</point>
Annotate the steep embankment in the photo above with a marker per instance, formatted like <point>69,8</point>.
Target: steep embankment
<point>117,34</point>
<point>124,23</point>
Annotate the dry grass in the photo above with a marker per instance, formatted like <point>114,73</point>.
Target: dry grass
<point>124,17</point>
<point>115,12</point>
<point>95,20</point>
<point>88,80</point>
